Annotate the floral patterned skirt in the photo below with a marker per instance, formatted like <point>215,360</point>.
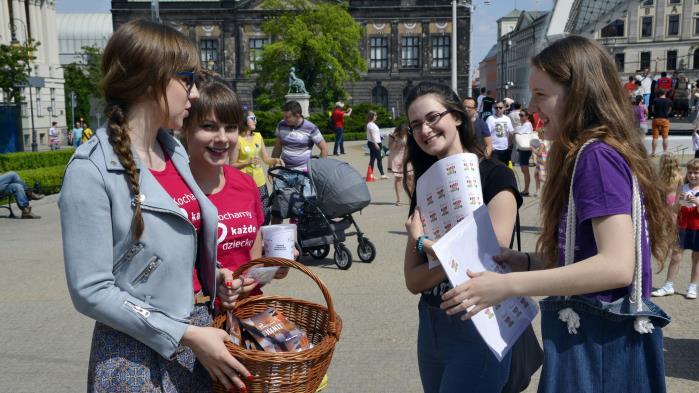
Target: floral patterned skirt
<point>120,363</point>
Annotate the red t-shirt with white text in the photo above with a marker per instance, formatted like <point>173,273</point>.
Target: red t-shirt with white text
<point>240,216</point>
<point>174,184</point>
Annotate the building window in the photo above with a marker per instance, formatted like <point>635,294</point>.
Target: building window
<point>696,59</point>
<point>378,53</point>
<point>410,52</point>
<point>53,102</point>
<point>614,29</point>
<point>379,96</point>
<point>255,46</point>
<point>696,25</point>
<point>441,51</point>
<point>647,2</point>
<point>645,60</point>
<point>37,99</point>
<point>619,61</point>
<point>673,25</point>
<point>208,49</point>
<point>647,26</point>
<point>671,60</point>
<point>675,1</point>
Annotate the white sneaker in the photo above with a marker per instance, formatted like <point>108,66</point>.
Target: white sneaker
<point>665,291</point>
<point>691,292</point>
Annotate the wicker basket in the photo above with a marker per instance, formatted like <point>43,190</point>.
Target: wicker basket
<point>287,372</point>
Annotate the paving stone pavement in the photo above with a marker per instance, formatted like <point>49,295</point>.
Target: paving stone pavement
<point>44,342</point>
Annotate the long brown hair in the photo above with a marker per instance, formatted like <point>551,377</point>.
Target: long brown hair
<point>596,107</point>
<point>140,59</point>
<point>415,156</point>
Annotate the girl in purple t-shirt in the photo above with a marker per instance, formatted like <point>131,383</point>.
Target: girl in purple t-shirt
<point>576,93</point>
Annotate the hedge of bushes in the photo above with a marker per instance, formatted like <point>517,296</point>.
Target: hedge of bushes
<point>45,168</point>
<point>34,160</point>
<point>50,178</point>
<point>354,124</point>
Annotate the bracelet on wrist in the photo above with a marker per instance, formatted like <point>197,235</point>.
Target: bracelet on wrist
<point>529,261</point>
<point>419,244</point>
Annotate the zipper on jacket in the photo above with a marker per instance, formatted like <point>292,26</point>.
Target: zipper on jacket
<point>142,277</point>
<point>138,309</point>
<point>145,314</point>
<point>128,256</point>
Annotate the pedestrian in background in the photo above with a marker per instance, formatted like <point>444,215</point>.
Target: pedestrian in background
<point>501,131</point>
<point>640,112</point>
<point>606,196</point>
<point>373,136</point>
<point>338,119</point>
<point>686,204</point>
<point>11,183</point>
<point>149,224</point>
<point>248,155</point>
<point>398,141</point>
<point>523,136</point>
<point>77,134</point>
<point>87,133</point>
<point>485,141</point>
<point>451,352</point>
<point>54,136</point>
<point>662,109</point>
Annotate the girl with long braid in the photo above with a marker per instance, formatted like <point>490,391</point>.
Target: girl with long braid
<point>150,228</point>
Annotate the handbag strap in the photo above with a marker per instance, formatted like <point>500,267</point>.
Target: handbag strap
<point>636,219</point>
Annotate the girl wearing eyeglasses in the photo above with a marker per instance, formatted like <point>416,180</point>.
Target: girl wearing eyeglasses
<point>451,352</point>
<point>149,224</point>
<point>249,154</point>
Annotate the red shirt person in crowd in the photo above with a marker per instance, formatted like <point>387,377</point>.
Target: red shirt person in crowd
<point>338,122</point>
<point>664,83</point>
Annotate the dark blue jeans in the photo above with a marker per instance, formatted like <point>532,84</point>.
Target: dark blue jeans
<point>452,356</point>
<point>339,141</point>
<point>11,183</point>
<point>606,354</point>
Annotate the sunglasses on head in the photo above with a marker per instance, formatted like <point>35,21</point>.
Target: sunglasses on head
<point>252,117</point>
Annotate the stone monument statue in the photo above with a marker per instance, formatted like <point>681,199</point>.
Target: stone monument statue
<point>296,85</point>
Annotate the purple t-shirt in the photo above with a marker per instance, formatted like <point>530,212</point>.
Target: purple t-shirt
<point>602,187</point>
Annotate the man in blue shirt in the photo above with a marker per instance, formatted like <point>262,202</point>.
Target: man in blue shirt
<point>77,134</point>
<point>479,126</point>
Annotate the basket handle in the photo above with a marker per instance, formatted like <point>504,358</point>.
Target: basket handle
<point>281,262</point>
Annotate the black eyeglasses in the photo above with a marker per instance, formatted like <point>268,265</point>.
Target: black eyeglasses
<point>189,79</point>
<point>499,107</point>
<point>430,120</point>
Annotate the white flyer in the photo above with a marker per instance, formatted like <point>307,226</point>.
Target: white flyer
<point>447,193</point>
<point>471,245</point>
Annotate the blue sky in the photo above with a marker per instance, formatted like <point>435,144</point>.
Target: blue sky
<point>484,28</point>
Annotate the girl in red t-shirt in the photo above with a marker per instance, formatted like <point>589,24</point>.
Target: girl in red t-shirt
<point>211,133</point>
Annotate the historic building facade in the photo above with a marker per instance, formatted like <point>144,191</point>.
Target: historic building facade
<point>404,42</point>
<point>20,21</point>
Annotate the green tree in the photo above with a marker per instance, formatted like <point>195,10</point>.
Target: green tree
<point>15,66</point>
<point>321,40</point>
<point>83,79</point>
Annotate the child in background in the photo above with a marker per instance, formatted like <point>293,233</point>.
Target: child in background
<point>687,225</point>
<point>398,141</point>
<point>540,153</point>
<point>640,112</point>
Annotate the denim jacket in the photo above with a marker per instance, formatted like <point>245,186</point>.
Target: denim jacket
<point>142,288</point>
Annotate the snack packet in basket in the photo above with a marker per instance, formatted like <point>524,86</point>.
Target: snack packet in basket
<point>262,275</point>
<point>272,326</point>
<point>233,328</point>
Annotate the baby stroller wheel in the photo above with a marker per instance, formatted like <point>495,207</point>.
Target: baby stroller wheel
<point>320,252</point>
<point>366,250</point>
<point>343,257</point>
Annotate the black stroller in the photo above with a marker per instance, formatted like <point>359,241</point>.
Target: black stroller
<point>337,191</point>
